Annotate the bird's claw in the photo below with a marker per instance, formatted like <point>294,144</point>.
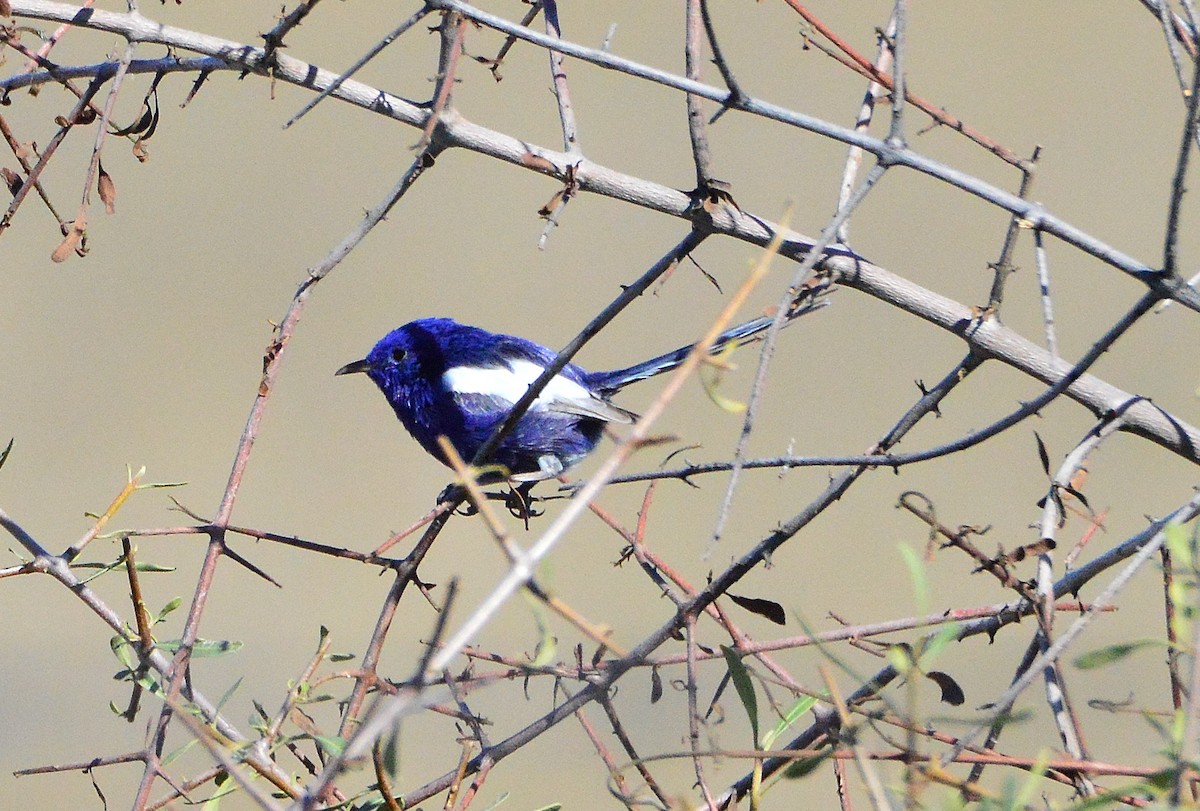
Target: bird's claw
<point>519,503</point>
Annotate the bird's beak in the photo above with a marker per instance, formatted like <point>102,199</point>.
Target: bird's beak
<point>363,365</point>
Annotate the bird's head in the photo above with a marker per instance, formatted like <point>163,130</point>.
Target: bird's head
<point>403,358</point>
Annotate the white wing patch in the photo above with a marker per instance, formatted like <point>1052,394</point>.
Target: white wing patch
<point>509,383</point>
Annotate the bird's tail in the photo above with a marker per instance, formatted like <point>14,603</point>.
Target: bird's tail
<point>611,381</point>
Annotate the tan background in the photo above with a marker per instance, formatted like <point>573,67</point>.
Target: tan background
<point>148,352</point>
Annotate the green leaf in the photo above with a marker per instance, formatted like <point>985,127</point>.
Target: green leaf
<point>148,682</point>
<point>1033,781</point>
<point>159,485</point>
<point>205,648</point>
<point>916,573</point>
<point>1156,785</point>
<point>945,635</point>
<point>1113,653</point>
<point>711,377</point>
<point>229,694</point>
<point>804,767</point>
<point>102,568</point>
<point>391,754</point>
<point>124,652</point>
<point>900,657</point>
<point>1178,725</point>
<point>1180,546</point>
<point>745,688</point>
<point>330,744</point>
<point>802,705</point>
<point>153,568</point>
<point>496,804</point>
<point>172,756</point>
<point>167,609</point>
<point>547,646</point>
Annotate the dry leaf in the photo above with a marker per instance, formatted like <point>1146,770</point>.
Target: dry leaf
<point>5,9</point>
<point>140,152</point>
<point>72,240</point>
<point>952,694</point>
<point>11,179</point>
<point>768,609</point>
<point>107,190</point>
<point>656,685</point>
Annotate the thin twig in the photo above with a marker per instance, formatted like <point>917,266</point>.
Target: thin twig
<point>566,117</point>
<point>697,127</point>
<point>371,53</point>
<point>854,156</point>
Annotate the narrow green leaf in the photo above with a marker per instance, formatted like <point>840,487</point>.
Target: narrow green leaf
<point>945,635</point>
<point>168,608</point>
<point>124,652</point>
<point>1178,725</point>
<point>496,804</point>
<point>1180,546</point>
<point>149,683</point>
<point>229,694</point>
<point>547,646</point>
<point>391,754</point>
<point>205,648</point>
<point>159,485</point>
<point>918,576</point>
<point>804,767</point>
<point>802,705</point>
<point>1113,653</point>
<point>172,756</point>
<point>745,688</point>
<point>1033,780</point>
<point>712,376</point>
<point>141,567</point>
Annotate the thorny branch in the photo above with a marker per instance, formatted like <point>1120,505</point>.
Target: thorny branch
<point>693,612</point>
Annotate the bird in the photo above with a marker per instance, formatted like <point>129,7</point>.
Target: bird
<point>443,378</point>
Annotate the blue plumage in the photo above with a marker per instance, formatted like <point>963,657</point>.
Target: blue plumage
<point>448,379</point>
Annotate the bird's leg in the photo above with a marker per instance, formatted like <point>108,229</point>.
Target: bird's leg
<point>453,492</point>
<point>520,503</point>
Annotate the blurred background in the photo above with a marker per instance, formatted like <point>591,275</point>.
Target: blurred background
<point>149,352</point>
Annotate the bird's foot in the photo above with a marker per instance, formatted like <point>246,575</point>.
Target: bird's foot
<point>519,503</point>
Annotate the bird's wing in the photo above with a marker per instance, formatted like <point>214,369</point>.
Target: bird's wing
<point>496,388</point>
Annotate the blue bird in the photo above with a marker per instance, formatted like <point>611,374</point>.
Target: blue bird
<point>448,379</point>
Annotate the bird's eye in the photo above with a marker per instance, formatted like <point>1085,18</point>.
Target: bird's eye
<point>398,355</point>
